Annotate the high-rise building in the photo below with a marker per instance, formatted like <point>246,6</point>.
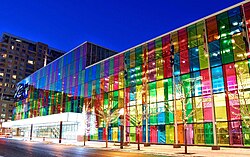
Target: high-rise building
<point>18,59</point>
<point>194,80</point>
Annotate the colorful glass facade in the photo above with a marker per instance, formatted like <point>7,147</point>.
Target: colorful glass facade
<point>68,83</point>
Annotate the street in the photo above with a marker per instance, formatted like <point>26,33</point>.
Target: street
<point>16,148</point>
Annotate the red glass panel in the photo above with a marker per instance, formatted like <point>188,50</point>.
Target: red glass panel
<point>212,30</point>
<point>233,105</point>
<point>183,41</point>
<point>153,134</point>
<point>116,79</point>
<point>151,51</point>
<point>247,16</point>
<point>205,82</point>
<point>139,129</point>
<point>235,133</point>
<point>116,64</point>
<point>166,46</point>
<point>184,62</point>
<point>121,62</point>
<point>167,67</point>
<point>151,71</point>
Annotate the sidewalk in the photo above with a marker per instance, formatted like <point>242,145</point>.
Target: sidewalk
<point>166,150</point>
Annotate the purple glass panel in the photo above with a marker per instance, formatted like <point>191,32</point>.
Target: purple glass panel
<point>151,71</point>
<point>106,68</point>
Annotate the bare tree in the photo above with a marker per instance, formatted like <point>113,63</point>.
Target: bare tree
<point>184,89</point>
<point>240,96</point>
<point>86,109</point>
<point>109,116</point>
<point>136,120</point>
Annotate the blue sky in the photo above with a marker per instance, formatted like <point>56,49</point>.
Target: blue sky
<point>115,24</point>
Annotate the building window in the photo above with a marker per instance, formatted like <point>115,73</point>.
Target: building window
<point>14,76</point>
<point>30,62</point>
<point>4,55</point>
<point>1,74</point>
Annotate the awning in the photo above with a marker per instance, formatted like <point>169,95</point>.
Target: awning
<point>54,118</point>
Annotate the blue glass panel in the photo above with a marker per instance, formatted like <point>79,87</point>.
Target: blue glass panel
<point>94,73</point>
<point>177,64</point>
<point>217,80</point>
<point>235,20</point>
<point>100,133</point>
<point>197,90</point>
<point>161,134</point>
<point>194,59</point>
<point>86,75</point>
<point>109,134</point>
<point>214,52</point>
<point>98,71</point>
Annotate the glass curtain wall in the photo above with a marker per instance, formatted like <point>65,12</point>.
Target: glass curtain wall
<point>67,84</point>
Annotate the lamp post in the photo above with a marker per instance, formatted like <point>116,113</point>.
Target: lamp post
<point>121,117</point>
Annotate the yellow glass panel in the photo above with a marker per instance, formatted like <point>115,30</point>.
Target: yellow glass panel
<point>242,72</point>
<point>220,107</point>
<point>203,57</point>
<point>198,134</point>
<point>239,47</point>
<point>111,83</point>
<point>159,69</point>
<point>198,112</point>
<point>160,91</point>
<point>222,133</point>
<point>174,37</point>
<point>179,111</point>
<point>139,94</point>
<point>121,99</point>
<point>121,80</point>
<point>132,58</point>
<point>115,133</point>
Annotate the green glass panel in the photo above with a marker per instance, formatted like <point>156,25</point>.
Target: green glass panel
<point>102,70</point>
<point>202,58</point>
<point>132,134</point>
<point>75,105</point>
<point>111,66</point>
<point>158,48</point>
<point>192,39</point>
<point>208,132</point>
<point>153,118</point>
<point>152,92</point>
<point>189,110</point>
<point>169,134</point>
<point>186,85</point>
<point>169,112</point>
<point>138,56</point>
<point>68,106</point>
<point>138,74</point>
<point>169,88</point>
<point>200,33</point>
<point>226,50</point>
<point>115,100</point>
<point>223,25</point>
<point>106,100</point>
<point>246,134</point>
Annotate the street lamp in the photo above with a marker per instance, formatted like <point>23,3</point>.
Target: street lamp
<point>121,117</point>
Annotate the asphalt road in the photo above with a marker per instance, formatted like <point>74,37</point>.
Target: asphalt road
<point>15,148</point>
